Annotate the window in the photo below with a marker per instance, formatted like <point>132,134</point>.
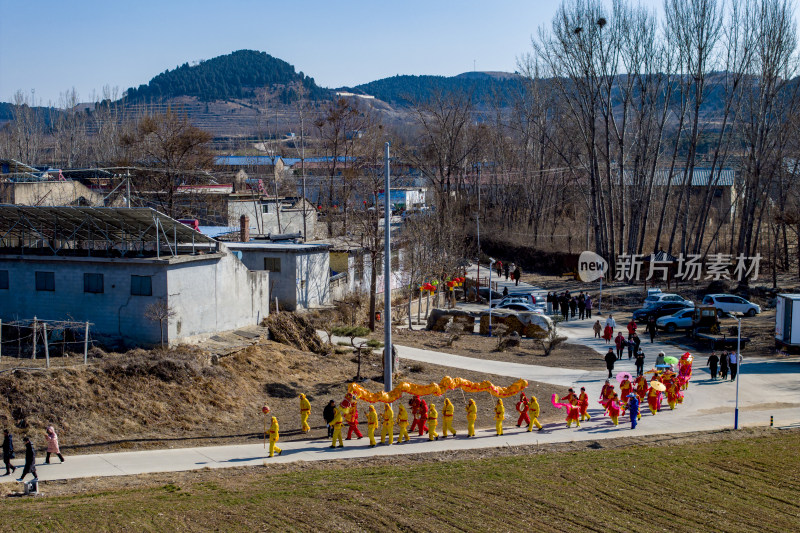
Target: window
<point>142,285</point>
<point>45,281</point>
<point>93,283</point>
<point>3,279</point>
<point>273,264</point>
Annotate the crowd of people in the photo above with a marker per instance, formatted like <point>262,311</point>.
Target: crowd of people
<point>570,306</point>
<point>29,467</point>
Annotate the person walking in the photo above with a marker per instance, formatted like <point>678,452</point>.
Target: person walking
<point>610,360</point>
<point>589,305</point>
<point>573,307</point>
<point>305,410</point>
<point>506,270</point>
<point>608,334</point>
<point>52,445</point>
<point>734,360</point>
<point>8,452</point>
<point>636,343</point>
<point>620,342</point>
<point>713,362</point>
<point>660,360</point>
<point>651,328</point>
<point>517,275</point>
<point>328,413</point>
<point>564,304</point>
<point>549,303</point>
<point>723,366</point>
<point>30,460</point>
<point>611,322</point>
<point>639,362</point>
<point>372,424</point>
<point>598,329</point>
<point>274,435</point>
<point>631,327</point>
<point>581,306</point>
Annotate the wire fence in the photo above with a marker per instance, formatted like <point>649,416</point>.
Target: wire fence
<point>37,339</point>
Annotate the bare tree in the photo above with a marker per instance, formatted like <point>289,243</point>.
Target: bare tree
<point>160,311</point>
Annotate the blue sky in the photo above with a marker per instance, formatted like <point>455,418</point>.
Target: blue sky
<point>51,47</point>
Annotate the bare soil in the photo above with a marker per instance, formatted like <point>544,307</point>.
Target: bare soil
<point>483,347</point>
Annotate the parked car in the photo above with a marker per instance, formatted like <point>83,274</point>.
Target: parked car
<point>521,298</point>
<point>510,300</point>
<point>728,303</point>
<point>663,297</point>
<point>519,306</point>
<point>682,319</point>
<point>483,292</point>
<point>659,309</point>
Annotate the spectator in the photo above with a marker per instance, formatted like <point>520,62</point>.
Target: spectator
<point>517,274</point>
<point>564,304</point>
<point>660,359</point>
<point>620,342</point>
<point>610,360</point>
<point>611,322</point>
<point>573,307</point>
<point>636,343</point>
<point>499,269</point>
<point>734,360</point>
<point>588,306</point>
<point>52,445</point>
<point>631,327</point>
<point>651,328</point>
<point>30,460</point>
<point>581,306</point>
<point>506,270</point>
<point>598,329</point>
<point>723,365</point>
<point>639,363</point>
<point>608,334</point>
<point>8,451</point>
<point>505,292</point>
<point>328,413</point>
<point>712,363</point>
<point>549,303</point>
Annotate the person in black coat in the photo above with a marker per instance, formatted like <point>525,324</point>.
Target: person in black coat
<point>8,451</point>
<point>651,328</point>
<point>610,358</point>
<point>581,306</point>
<point>328,413</point>
<point>30,460</point>
<point>564,304</point>
<point>723,365</point>
<point>573,307</point>
<point>639,363</point>
<point>712,363</point>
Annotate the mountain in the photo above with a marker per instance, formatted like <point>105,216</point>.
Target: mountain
<point>484,87</point>
<point>229,77</point>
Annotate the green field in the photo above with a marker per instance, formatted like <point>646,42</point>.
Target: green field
<point>749,483</point>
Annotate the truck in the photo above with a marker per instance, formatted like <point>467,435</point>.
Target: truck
<point>787,321</point>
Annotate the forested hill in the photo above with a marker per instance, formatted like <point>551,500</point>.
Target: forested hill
<point>485,88</point>
<point>232,76</point>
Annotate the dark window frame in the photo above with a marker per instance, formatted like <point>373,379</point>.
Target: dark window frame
<point>137,287</point>
<point>90,283</point>
<point>45,281</point>
<point>273,260</point>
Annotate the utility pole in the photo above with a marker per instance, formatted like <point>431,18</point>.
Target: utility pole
<point>387,281</point>
<point>128,189</point>
<point>478,215</point>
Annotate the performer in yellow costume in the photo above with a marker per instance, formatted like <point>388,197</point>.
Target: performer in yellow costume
<point>533,413</point>
<point>372,425</point>
<point>472,415</point>
<point>388,422</point>
<point>447,421</point>
<point>338,420</point>
<point>433,419</point>
<point>499,416</point>
<point>305,410</point>
<point>273,438</point>
<point>402,422</point>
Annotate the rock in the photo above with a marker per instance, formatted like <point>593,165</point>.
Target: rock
<point>513,340</point>
<point>438,319</point>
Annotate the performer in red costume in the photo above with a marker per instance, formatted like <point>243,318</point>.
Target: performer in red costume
<point>653,400</point>
<point>522,409</point>
<point>625,388</point>
<point>613,408</point>
<point>573,411</point>
<point>414,404</point>
<point>641,388</point>
<point>352,421</point>
<point>672,392</point>
<point>422,411</point>
<point>685,370</point>
<point>570,398</point>
<point>583,404</point>
<point>605,394</point>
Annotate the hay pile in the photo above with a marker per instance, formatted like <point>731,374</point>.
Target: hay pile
<point>294,330</point>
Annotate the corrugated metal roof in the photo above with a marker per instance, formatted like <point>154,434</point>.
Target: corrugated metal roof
<point>700,177</point>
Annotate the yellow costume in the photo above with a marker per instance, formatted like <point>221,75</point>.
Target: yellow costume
<point>305,410</point>
<point>533,413</point>
<point>402,422</point>
<point>273,438</point>
<point>447,422</point>
<point>499,416</point>
<point>338,420</point>
<point>388,422</point>
<point>472,415</point>
<point>433,419</point>
<point>372,425</point>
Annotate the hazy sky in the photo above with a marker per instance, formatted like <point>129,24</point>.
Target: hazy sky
<point>50,46</point>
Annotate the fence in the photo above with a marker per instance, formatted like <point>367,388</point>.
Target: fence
<point>34,338</point>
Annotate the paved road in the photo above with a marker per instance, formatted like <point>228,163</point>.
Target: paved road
<point>767,388</point>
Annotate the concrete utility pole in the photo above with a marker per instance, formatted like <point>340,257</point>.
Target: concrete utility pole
<point>387,282</point>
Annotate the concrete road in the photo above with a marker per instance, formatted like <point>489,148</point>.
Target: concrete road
<point>767,387</point>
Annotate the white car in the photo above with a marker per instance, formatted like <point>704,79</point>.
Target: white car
<point>728,303</point>
<point>521,306</point>
<point>664,297</point>
<point>681,319</point>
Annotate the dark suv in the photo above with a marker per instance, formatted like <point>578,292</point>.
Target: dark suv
<point>658,310</point>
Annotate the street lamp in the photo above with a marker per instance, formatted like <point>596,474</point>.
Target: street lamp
<point>491,267</point>
<point>738,368</point>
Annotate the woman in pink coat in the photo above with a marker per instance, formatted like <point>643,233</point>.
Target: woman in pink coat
<point>52,445</point>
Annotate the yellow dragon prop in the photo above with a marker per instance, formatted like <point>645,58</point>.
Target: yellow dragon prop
<point>437,389</point>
